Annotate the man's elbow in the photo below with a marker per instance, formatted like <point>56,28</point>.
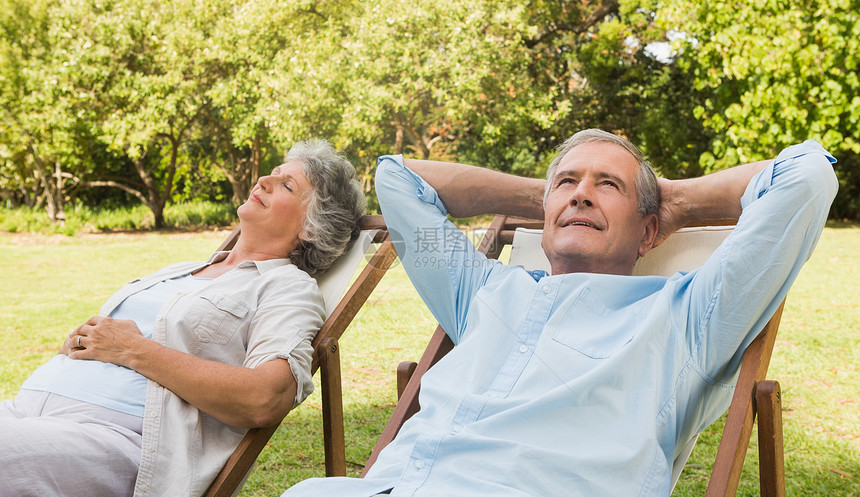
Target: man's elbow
<point>267,418</point>
<point>385,171</point>
<point>820,176</point>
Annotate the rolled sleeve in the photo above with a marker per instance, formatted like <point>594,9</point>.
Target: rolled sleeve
<point>288,317</point>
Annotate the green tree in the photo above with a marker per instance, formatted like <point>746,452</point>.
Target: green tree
<point>772,74</point>
<point>243,105</point>
<point>487,81</point>
<point>151,91</point>
<point>45,116</point>
<point>635,90</point>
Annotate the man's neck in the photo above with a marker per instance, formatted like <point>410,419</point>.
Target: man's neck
<point>587,266</point>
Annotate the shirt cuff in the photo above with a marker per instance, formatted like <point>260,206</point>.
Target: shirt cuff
<point>801,149</point>
<point>761,182</point>
<point>423,191</point>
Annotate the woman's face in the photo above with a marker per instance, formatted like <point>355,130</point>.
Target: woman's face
<point>278,205</point>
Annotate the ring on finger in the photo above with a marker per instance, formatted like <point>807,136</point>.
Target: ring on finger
<point>79,341</point>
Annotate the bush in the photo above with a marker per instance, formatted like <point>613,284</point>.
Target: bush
<point>84,219</point>
<point>199,214</point>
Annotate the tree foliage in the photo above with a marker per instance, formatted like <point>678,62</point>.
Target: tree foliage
<point>772,74</point>
<point>162,101</point>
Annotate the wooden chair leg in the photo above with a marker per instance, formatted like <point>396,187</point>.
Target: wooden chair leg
<point>404,373</point>
<point>771,460</point>
<point>239,465</point>
<point>332,404</point>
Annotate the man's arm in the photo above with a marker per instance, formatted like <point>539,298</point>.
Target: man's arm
<point>469,191</point>
<point>723,305</point>
<point>441,261</point>
<point>736,291</point>
<point>714,196</point>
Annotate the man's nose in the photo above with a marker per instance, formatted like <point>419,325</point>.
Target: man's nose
<point>582,195</point>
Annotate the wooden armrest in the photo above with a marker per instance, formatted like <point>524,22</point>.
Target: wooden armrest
<point>404,372</point>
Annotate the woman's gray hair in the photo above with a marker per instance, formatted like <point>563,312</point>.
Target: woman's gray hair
<point>334,208</point>
<point>646,180</point>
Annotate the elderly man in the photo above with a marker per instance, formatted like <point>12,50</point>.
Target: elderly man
<point>586,381</point>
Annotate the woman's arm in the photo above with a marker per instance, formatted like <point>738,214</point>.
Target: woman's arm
<point>235,395</point>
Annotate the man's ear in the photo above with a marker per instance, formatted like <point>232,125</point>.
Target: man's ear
<point>649,235</point>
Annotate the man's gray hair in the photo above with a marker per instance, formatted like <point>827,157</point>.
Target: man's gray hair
<point>334,208</point>
<point>646,180</point>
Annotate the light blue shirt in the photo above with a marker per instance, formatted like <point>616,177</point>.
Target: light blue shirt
<point>104,384</point>
<point>581,384</point>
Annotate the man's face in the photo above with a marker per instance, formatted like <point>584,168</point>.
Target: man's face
<point>591,222</point>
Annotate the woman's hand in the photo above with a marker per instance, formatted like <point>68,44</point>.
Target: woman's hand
<point>104,339</point>
<point>235,395</point>
<point>68,345</point>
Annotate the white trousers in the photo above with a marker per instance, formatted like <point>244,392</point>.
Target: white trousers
<point>52,445</point>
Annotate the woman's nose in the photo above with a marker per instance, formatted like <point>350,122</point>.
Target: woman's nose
<point>265,182</point>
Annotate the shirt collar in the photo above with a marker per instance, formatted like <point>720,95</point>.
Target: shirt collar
<point>262,266</point>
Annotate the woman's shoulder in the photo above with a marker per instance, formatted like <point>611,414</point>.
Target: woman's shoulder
<point>175,268</point>
<point>289,275</point>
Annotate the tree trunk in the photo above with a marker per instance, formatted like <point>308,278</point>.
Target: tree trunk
<point>157,198</point>
<point>52,184</point>
<point>152,198</point>
<point>404,126</point>
<point>58,194</point>
<point>158,215</point>
<point>242,172</point>
<point>398,139</point>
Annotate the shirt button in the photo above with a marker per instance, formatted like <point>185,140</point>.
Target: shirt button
<point>524,349</point>
<point>419,464</point>
<point>546,289</point>
<point>153,414</point>
<point>456,428</point>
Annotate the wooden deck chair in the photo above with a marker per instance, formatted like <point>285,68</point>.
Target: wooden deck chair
<point>341,309</point>
<point>686,249</point>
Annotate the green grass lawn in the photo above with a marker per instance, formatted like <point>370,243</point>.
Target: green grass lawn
<point>50,284</point>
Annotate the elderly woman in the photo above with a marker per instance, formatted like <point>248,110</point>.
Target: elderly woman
<point>151,396</point>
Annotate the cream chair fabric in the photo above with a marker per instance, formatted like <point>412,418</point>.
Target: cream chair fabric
<point>334,282</point>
